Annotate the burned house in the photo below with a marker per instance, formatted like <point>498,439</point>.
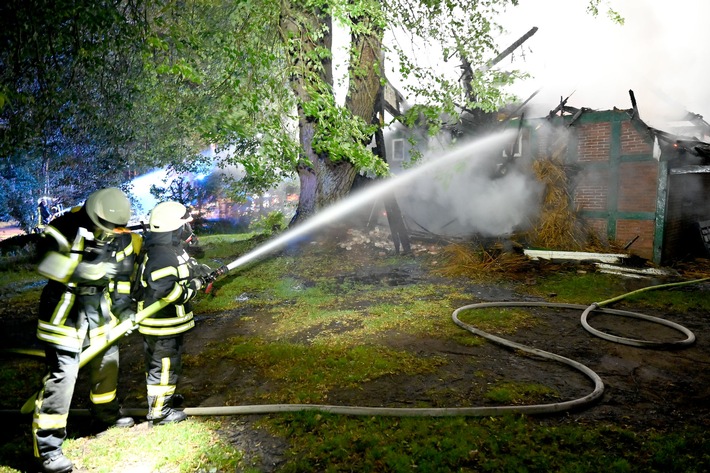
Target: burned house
<point>642,188</point>
<point>639,187</point>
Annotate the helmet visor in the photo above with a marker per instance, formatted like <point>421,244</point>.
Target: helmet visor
<point>106,225</point>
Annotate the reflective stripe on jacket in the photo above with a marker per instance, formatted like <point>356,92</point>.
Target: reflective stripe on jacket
<point>165,273</point>
<point>71,309</point>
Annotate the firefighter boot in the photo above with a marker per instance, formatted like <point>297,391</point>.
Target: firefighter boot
<point>161,412</point>
<point>57,464</point>
<point>172,417</point>
<point>109,415</point>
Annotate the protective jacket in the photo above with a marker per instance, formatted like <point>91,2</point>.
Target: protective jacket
<point>80,266</point>
<point>166,272</point>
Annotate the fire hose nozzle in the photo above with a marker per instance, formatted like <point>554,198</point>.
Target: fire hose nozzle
<point>215,274</point>
<point>221,271</point>
<point>210,278</point>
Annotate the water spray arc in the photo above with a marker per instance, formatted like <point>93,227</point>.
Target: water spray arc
<point>327,215</point>
<point>358,199</point>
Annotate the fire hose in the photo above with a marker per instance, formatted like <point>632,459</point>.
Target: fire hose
<point>534,409</point>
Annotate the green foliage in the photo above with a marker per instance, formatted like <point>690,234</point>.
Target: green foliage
<point>341,136</point>
<point>271,223</point>
<point>593,9</point>
<point>464,33</point>
<point>68,86</point>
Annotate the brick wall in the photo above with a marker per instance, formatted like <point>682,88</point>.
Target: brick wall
<point>632,142</point>
<point>591,190</point>
<point>636,178</point>
<point>638,184</point>
<point>594,141</point>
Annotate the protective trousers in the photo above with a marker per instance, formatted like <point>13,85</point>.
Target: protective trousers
<point>163,363</point>
<point>54,399</point>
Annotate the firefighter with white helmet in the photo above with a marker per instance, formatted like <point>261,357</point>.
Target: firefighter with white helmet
<point>166,272</point>
<point>88,260</point>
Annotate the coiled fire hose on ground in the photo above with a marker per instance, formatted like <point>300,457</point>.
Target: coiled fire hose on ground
<point>548,408</point>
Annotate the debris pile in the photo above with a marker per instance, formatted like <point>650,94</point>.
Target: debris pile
<point>470,260</point>
<point>380,238</point>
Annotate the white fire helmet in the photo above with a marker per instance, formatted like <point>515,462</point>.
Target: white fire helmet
<point>168,216</point>
<point>108,208</point>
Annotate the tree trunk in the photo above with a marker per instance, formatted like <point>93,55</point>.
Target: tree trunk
<point>322,181</point>
<point>365,99</point>
<point>365,69</point>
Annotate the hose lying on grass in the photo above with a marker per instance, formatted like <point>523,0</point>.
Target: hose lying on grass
<point>536,409</point>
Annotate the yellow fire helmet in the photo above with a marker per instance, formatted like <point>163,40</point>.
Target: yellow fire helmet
<point>108,208</point>
<point>168,216</point>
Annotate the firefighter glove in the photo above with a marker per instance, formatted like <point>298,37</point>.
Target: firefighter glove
<point>197,283</point>
<point>200,270</point>
<point>128,315</point>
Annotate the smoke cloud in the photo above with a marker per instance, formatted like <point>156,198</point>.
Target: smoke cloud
<point>657,53</point>
<point>471,197</point>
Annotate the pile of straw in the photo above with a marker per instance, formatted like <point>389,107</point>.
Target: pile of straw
<point>470,260</point>
<point>557,226</point>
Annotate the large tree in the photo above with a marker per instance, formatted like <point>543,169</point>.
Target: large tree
<point>88,89</point>
<point>334,139</point>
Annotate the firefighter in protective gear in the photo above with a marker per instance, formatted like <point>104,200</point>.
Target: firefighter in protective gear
<point>88,260</point>
<point>166,272</point>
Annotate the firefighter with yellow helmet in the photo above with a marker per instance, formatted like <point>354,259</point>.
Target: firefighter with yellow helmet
<point>166,272</point>
<point>88,260</point>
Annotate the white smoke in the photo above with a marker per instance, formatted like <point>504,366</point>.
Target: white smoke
<point>472,197</point>
<point>657,53</point>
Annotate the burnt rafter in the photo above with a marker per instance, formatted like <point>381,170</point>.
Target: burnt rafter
<point>682,144</point>
<point>562,107</point>
<point>474,120</point>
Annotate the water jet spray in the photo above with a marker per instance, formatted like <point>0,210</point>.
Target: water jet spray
<point>333,213</point>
